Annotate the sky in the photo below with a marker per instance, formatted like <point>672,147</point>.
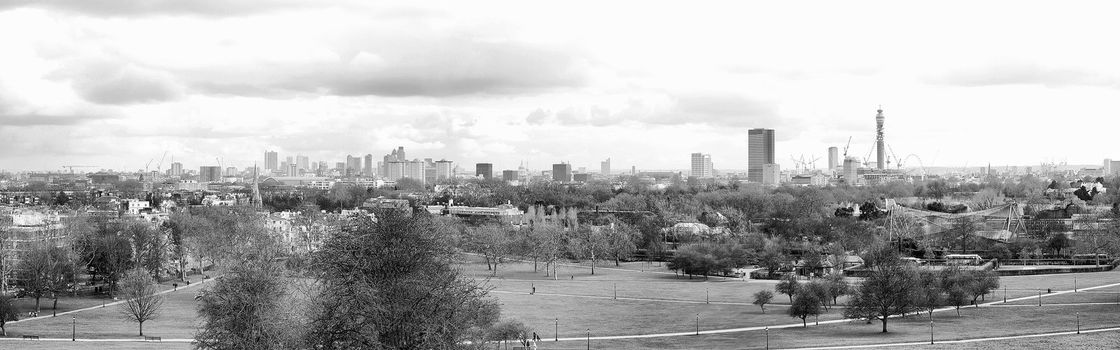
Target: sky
<point>119,83</point>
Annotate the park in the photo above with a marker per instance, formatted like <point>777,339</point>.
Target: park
<point>645,305</point>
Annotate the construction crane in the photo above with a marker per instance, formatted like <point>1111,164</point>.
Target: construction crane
<point>897,162</point>
<point>813,162</point>
<point>846,147</point>
<point>159,166</point>
<point>78,166</point>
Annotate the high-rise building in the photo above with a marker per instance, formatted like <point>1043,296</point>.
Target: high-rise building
<point>760,151</point>
<point>231,171</point>
<point>833,158</point>
<point>302,163</point>
<point>771,174</point>
<point>396,155</point>
<point>271,160</point>
<point>353,165</point>
<point>880,144</point>
<point>605,167</point>
<point>444,169</point>
<point>702,165</point>
<point>509,175</point>
<point>293,170</point>
<point>209,174</point>
<point>851,170</point>
<point>415,169</point>
<point>486,170</point>
<point>562,172</point>
<point>288,160</point>
<point>367,166</point>
<point>176,169</point>
<point>395,170</point>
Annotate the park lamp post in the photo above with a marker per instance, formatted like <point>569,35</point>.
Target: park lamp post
<point>767,330</point>
<point>73,328</point>
<point>1078,323</point>
<point>698,323</point>
<point>589,339</point>
<point>556,331</point>
<point>931,332</point>
<point>1039,297</point>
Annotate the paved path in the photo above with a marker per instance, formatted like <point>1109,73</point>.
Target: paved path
<point>962,341</point>
<point>192,285</point>
<point>681,301</point>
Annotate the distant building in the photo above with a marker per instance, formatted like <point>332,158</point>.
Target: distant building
<point>580,177</point>
<point>851,170</point>
<point>445,169</point>
<point>353,165</point>
<point>771,174</point>
<point>293,170</point>
<point>209,174</point>
<point>416,169</point>
<point>509,175</point>
<point>270,161</point>
<point>833,158</point>
<point>231,171</point>
<point>809,180</point>
<point>302,163</point>
<point>176,169</point>
<point>702,165</point>
<point>760,151</point>
<point>605,167</point>
<point>562,172</point>
<point>486,170</point>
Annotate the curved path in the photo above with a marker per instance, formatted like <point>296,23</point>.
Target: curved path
<point>192,285</point>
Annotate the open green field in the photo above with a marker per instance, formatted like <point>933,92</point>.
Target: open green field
<point>652,300</point>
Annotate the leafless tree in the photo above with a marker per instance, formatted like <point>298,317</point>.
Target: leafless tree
<point>142,303</point>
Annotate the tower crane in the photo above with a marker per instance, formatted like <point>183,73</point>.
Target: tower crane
<point>846,147</point>
<point>813,162</point>
<point>159,166</point>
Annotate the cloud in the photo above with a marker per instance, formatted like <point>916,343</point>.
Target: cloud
<point>107,82</point>
<point>117,8</point>
<point>435,68</point>
<point>717,109</point>
<point>44,119</point>
<point>1023,74</point>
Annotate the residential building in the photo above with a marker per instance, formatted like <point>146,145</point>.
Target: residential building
<point>771,174</point>
<point>270,161</point>
<point>760,151</point>
<point>353,165</point>
<point>605,167</point>
<point>303,163</point>
<point>509,175</point>
<point>702,166</point>
<point>833,158</point>
<point>367,166</point>
<point>176,169</point>
<point>444,169</point>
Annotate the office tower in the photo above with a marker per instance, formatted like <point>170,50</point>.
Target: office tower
<point>396,155</point>
<point>445,169</point>
<point>293,170</point>
<point>562,172</point>
<point>323,169</point>
<point>833,158</point>
<point>367,166</point>
<point>1107,168</point>
<point>231,171</point>
<point>486,170</point>
<point>271,160</point>
<point>633,170</point>
<point>288,160</point>
<point>176,169</point>
<point>509,175</point>
<point>209,174</point>
<point>702,165</point>
<point>302,163</point>
<point>415,170</point>
<point>880,155</point>
<point>760,151</point>
<point>771,174</point>
<point>605,167</point>
<point>395,170</point>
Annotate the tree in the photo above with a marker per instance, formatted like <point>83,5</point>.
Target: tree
<point>1058,242</point>
<point>805,304</point>
<point>987,198</point>
<point>927,295</point>
<point>392,283</point>
<point>763,297</point>
<point>491,241</point>
<point>708,258</point>
<point>588,243</point>
<point>955,284</point>
<point>46,271</point>
<point>251,307</point>
<point>509,330</point>
<point>619,241</point>
<point>7,313</point>
<point>771,259</point>
<point>546,245</point>
<point>148,246</point>
<point>837,286</point>
<point>886,292</point>
<point>788,286</point>
<point>142,302</point>
<point>981,283</point>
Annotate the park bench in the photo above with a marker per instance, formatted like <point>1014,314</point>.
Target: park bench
<point>32,337</point>
<point>147,338</point>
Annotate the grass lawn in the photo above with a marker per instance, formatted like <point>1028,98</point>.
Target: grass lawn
<point>67,303</point>
<point>177,319</point>
<point>63,345</point>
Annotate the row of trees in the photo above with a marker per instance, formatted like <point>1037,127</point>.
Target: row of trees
<point>546,243</point>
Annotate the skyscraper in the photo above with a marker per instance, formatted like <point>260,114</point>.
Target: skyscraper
<point>833,158</point>
<point>605,167</point>
<point>396,155</point>
<point>302,163</point>
<point>367,167</point>
<point>353,165</point>
<point>702,165</point>
<point>176,169</point>
<point>271,161</point>
<point>444,169</point>
<point>486,170</point>
<point>880,155</point>
<point>760,151</point>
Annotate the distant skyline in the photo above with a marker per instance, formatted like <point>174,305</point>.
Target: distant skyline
<point>117,83</point>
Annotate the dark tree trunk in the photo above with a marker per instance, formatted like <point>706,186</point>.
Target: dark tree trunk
<point>884,324</point>
<point>141,329</point>
<point>37,303</point>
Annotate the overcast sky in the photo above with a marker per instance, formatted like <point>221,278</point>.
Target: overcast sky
<point>116,83</point>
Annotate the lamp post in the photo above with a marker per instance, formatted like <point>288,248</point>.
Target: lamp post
<point>1005,294</point>
<point>697,323</point>
<point>556,331</point>
<point>931,332</point>
<point>1078,323</point>
<point>767,337</point>
<point>707,296</point>
<point>1040,297</point>
<point>73,328</point>
<point>616,291</point>
<point>589,339</point>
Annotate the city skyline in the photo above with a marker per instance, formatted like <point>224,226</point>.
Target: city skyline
<point>505,82</point>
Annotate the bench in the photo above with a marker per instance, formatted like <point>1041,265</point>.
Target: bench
<point>147,338</point>
<point>32,337</point>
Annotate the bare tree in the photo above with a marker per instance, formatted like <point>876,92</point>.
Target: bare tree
<point>142,303</point>
<point>7,313</point>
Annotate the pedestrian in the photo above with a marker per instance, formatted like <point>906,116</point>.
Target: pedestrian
<point>573,277</point>
<point>534,289</point>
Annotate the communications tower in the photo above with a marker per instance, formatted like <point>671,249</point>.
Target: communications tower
<point>880,145</point>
